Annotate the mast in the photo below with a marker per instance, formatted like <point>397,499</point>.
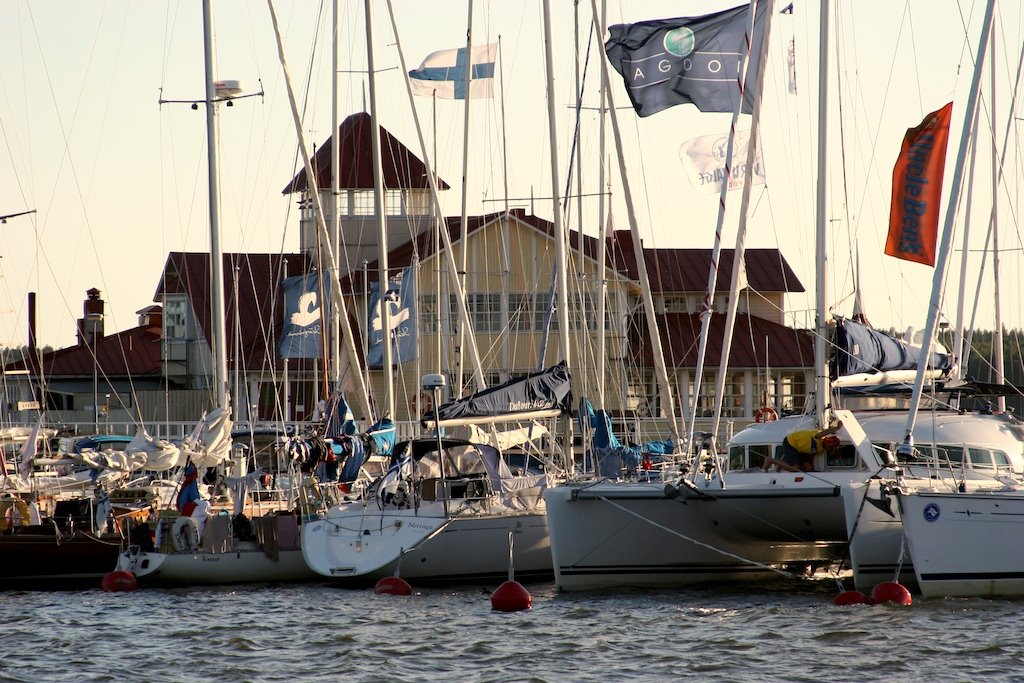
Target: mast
<point>667,403</point>
<point>821,386</point>
<point>321,226</point>
<point>453,274</point>
<point>738,265</point>
<point>332,203</point>
<point>465,179</point>
<point>707,309</point>
<point>562,285</point>
<point>602,244</point>
<point>219,332</point>
<point>379,209</point>
<point>942,257</point>
<point>997,335</point>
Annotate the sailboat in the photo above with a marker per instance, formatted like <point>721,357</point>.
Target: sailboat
<point>956,534</point>
<point>733,516</point>
<point>445,509</point>
<point>194,544</point>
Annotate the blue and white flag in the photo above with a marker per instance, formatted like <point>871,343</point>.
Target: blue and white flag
<point>302,336</point>
<point>400,299</point>
<point>444,73</point>
<point>695,60</point>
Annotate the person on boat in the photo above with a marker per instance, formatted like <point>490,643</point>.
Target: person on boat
<point>800,446</point>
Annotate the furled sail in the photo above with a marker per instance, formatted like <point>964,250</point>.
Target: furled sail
<point>540,394</point>
<point>861,350</point>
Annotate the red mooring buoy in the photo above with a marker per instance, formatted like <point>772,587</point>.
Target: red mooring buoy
<point>119,581</point>
<point>392,585</point>
<point>511,597</point>
<point>851,598</point>
<point>890,591</point>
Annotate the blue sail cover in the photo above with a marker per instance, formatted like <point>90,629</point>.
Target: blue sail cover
<point>545,390</point>
<point>860,349</point>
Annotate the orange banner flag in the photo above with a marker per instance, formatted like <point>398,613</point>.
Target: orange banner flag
<point>917,189</point>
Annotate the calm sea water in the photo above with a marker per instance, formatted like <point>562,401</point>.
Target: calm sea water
<point>323,633</point>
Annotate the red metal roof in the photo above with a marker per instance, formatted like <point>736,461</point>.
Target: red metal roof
<point>401,168</point>
<point>133,353</point>
<point>260,298</point>
<point>687,269</point>
<point>680,333</point>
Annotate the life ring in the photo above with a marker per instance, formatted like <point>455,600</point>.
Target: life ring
<point>7,510</point>
<point>421,403</point>
<point>765,414</point>
<point>185,534</point>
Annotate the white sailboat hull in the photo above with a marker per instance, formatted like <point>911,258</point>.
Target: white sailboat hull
<point>966,544</point>
<point>248,563</point>
<point>361,545</point>
<point>877,550</point>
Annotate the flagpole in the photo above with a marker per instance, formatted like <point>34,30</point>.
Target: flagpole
<point>465,173</point>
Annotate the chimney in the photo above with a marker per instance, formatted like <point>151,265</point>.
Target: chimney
<point>90,326</point>
<point>30,361</point>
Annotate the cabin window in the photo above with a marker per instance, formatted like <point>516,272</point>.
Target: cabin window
<point>844,456</point>
<point>748,457</point>
<point>1002,460</point>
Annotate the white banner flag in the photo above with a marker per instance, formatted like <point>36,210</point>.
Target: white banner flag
<point>704,159</point>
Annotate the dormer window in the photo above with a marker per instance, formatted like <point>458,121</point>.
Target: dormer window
<point>175,318</point>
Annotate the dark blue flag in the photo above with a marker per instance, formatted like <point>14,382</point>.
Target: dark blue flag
<point>302,336</point>
<point>400,299</point>
<point>695,60</point>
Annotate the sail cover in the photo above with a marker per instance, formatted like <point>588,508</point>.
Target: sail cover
<point>860,349</point>
<point>547,390</point>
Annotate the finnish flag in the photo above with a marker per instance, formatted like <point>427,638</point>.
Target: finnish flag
<point>444,73</point>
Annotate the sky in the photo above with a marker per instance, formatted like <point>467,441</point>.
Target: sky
<point>118,180</point>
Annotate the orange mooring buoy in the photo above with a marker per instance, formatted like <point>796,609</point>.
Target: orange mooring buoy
<point>392,585</point>
<point>890,591</point>
<point>851,598</point>
<point>119,581</point>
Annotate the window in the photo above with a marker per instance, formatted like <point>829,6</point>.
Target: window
<point>485,312</point>
<point>582,313</point>
<point>527,311</point>
<point>676,304</point>
<point>844,456</point>
<point>429,319</point>
<point>175,318</point>
<point>356,203</point>
<point>743,457</point>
